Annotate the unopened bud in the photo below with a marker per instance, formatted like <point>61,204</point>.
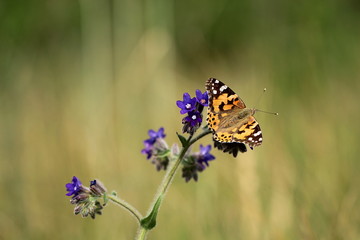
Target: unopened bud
<point>77,209</point>
<point>79,198</point>
<point>97,188</point>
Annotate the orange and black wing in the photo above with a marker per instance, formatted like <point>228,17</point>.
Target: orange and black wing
<point>224,105</point>
<point>222,102</point>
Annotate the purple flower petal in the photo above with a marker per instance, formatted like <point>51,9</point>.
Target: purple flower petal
<point>152,133</point>
<point>188,104</point>
<point>186,97</point>
<point>198,94</point>
<point>180,104</point>
<point>74,187</point>
<point>202,98</point>
<point>205,155</point>
<point>149,143</point>
<point>194,118</point>
<point>160,133</point>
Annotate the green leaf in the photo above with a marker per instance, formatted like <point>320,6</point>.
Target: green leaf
<point>182,139</point>
<point>149,222</point>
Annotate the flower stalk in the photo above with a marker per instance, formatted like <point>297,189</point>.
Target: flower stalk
<point>133,211</point>
<point>150,221</point>
<point>90,201</point>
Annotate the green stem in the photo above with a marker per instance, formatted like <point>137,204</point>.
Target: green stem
<point>167,181</point>
<point>168,178</point>
<point>142,234</point>
<point>201,135</point>
<point>125,205</point>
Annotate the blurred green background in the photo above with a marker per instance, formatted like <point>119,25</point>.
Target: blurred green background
<point>81,82</point>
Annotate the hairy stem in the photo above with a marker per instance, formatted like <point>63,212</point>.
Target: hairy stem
<point>142,233</point>
<point>125,205</point>
<point>168,177</point>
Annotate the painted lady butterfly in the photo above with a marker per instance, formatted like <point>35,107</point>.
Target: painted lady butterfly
<point>228,117</point>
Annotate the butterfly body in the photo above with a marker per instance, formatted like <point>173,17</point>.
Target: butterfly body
<point>228,117</point>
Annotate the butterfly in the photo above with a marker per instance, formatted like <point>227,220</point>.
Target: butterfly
<point>228,118</point>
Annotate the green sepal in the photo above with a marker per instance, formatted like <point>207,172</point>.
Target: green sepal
<point>182,139</point>
<point>163,154</point>
<point>149,222</point>
<point>106,199</point>
<point>188,161</point>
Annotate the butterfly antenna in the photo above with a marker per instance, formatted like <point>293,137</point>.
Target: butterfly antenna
<point>258,100</point>
<point>258,110</point>
<point>273,113</point>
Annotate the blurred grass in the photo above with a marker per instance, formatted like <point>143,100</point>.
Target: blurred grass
<point>82,82</point>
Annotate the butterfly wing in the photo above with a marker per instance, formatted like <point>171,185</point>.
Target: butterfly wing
<point>224,103</point>
<point>221,97</point>
<point>247,131</point>
<point>223,111</point>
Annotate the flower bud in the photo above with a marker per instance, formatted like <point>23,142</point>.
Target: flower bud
<point>97,188</point>
<point>79,198</point>
<point>87,200</point>
<point>78,209</point>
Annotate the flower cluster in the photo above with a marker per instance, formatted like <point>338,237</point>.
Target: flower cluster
<point>87,200</point>
<point>196,162</point>
<point>157,149</point>
<point>193,107</point>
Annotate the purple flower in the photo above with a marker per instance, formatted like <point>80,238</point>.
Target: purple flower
<point>202,98</point>
<point>194,118</point>
<point>155,135</point>
<point>87,201</point>
<point>204,156</point>
<point>196,162</point>
<point>150,143</point>
<point>74,187</point>
<point>193,107</point>
<point>188,104</point>
<point>156,149</point>
<point>192,122</point>
<point>147,150</point>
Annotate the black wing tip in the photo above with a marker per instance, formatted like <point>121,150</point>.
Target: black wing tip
<point>211,81</point>
<point>208,83</point>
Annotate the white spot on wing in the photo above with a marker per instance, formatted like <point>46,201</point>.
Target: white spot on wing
<point>214,92</point>
<point>257,134</point>
<point>216,81</point>
<point>223,88</point>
